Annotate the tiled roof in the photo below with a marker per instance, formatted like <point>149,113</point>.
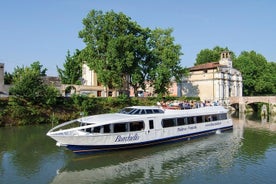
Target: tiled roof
<point>205,66</point>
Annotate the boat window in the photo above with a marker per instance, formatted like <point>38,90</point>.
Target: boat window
<point>151,124</point>
<point>127,110</point>
<point>215,117</point>
<point>140,111</point>
<point>148,111</point>
<point>209,118</point>
<point>168,123</point>
<point>106,129</point>
<point>136,126</point>
<point>191,120</point>
<point>120,127</point>
<point>136,112</point>
<point>156,111</point>
<point>88,130</point>
<point>96,129</point>
<point>222,116</point>
<point>199,119</point>
<point>181,121</point>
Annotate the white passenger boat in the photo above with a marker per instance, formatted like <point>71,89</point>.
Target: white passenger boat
<point>139,126</point>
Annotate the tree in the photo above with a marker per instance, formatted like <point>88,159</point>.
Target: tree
<point>121,52</point>
<point>272,69</point>
<point>28,85</point>
<point>166,60</point>
<point>207,55</point>
<point>258,78</point>
<point>115,48</point>
<point>72,69</point>
<point>8,78</point>
<point>36,66</point>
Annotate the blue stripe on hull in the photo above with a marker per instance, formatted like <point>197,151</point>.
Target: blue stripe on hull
<point>78,149</point>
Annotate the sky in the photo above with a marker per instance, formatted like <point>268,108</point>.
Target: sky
<point>44,30</point>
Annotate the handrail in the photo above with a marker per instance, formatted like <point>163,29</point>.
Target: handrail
<point>63,124</point>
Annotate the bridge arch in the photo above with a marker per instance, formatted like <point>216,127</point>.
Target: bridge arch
<point>251,100</point>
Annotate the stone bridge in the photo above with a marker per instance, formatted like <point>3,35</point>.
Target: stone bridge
<point>241,102</point>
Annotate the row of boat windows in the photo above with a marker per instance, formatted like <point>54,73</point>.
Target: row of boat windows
<point>170,122</point>
<point>139,125</point>
<point>118,127</point>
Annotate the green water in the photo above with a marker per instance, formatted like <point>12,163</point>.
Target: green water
<point>245,155</point>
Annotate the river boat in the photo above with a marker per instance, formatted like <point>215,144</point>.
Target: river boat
<point>139,126</point>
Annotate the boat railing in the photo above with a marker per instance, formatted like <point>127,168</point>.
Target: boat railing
<point>63,124</point>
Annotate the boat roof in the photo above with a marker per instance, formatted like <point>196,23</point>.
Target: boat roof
<point>122,117</point>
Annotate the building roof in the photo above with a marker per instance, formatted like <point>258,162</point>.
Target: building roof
<point>205,66</point>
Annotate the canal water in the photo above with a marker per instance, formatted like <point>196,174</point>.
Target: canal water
<point>245,155</point>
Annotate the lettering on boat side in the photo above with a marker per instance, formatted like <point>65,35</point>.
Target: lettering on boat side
<point>130,137</point>
<point>192,127</point>
<point>185,128</point>
<point>181,129</point>
<point>213,124</point>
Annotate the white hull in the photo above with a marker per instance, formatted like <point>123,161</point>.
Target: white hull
<point>81,141</point>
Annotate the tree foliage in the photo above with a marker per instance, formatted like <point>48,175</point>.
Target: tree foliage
<point>28,85</point>
<point>71,74</point>
<point>258,75</point>
<point>8,78</point>
<point>122,52</point>
<point>115,48</point>
<point>207,55</point>
<point>166,60</point>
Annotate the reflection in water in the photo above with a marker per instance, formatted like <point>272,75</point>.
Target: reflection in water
<point>166,163</point>
<point>255,121</point>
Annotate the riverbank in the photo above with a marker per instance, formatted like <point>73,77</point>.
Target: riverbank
<point>17,112</point>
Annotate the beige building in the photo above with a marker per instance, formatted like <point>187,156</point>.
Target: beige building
<point>90,84</point>
<point>215,81</point>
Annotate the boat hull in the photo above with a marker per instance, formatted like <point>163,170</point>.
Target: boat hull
<point>90,149</point>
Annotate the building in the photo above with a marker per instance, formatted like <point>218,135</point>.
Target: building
<point>215,81</point>
<point>4,89</point>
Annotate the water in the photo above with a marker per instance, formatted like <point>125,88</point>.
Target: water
<point>245,155</point>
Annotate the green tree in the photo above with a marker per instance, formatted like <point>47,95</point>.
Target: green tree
<point>258,78</point>
<point>272,69</point>
<point>207,55</point>
<point>72,69</point>
<point>115,48</point>
<point>36,66</point>
<point>8,78</point>
<point>122,52</point>
<point>166,60</point>
<point>28,85</point>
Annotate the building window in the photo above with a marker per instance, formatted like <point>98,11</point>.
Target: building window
<point>99,93</point>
